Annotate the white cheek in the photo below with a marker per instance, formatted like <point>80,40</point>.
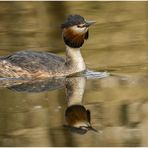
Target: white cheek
<point>81,123</point>
<point>79,30</point>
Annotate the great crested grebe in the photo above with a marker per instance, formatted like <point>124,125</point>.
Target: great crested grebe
<point>35,64</point>
<point>78,119</point>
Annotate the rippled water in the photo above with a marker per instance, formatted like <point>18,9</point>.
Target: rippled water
<point>33,114</point>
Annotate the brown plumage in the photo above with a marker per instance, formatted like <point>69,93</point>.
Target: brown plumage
<point>78,119</point>
<point>34,64</point>
<point>74,39</point>
<point>77,113</point>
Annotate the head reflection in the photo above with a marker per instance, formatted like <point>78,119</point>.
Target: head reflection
<point>77,117</point>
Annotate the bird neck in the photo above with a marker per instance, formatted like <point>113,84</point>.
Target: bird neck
<point>75,87</point>
<point>74,59</point>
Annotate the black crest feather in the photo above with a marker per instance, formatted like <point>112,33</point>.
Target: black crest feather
<point>73,20</point>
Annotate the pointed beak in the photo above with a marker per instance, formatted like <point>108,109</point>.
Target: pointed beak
<point>93,129</point>
<point>89,23</point>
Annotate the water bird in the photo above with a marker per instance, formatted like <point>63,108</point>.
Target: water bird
<point>78,119</point>
<point>37,64</point>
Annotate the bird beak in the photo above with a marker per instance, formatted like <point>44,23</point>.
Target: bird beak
<point>93,129</point>
<point>89,23</point>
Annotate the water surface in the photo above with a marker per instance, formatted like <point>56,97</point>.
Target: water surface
<point>34,114</point>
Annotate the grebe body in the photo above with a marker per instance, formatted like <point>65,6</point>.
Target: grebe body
<point>44,64</point>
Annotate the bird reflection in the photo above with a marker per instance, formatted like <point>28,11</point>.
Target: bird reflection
<point>37,85</point>
<point>77,117</point>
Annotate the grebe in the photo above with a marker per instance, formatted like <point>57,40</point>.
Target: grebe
<point>78,119</point>
<point>33,64</point>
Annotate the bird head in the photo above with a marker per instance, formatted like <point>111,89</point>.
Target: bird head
<point>78,119</point>
<point>75,30</point>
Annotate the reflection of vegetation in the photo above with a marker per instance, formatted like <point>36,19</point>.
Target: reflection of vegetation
<point>120,32</point>
<point>124,113</point>
<point>26,24</point>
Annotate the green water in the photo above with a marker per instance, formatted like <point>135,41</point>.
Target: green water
<point>33,115</point>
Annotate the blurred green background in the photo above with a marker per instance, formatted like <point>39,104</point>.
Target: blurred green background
<point>118,43</point>
<point>121,29</point>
